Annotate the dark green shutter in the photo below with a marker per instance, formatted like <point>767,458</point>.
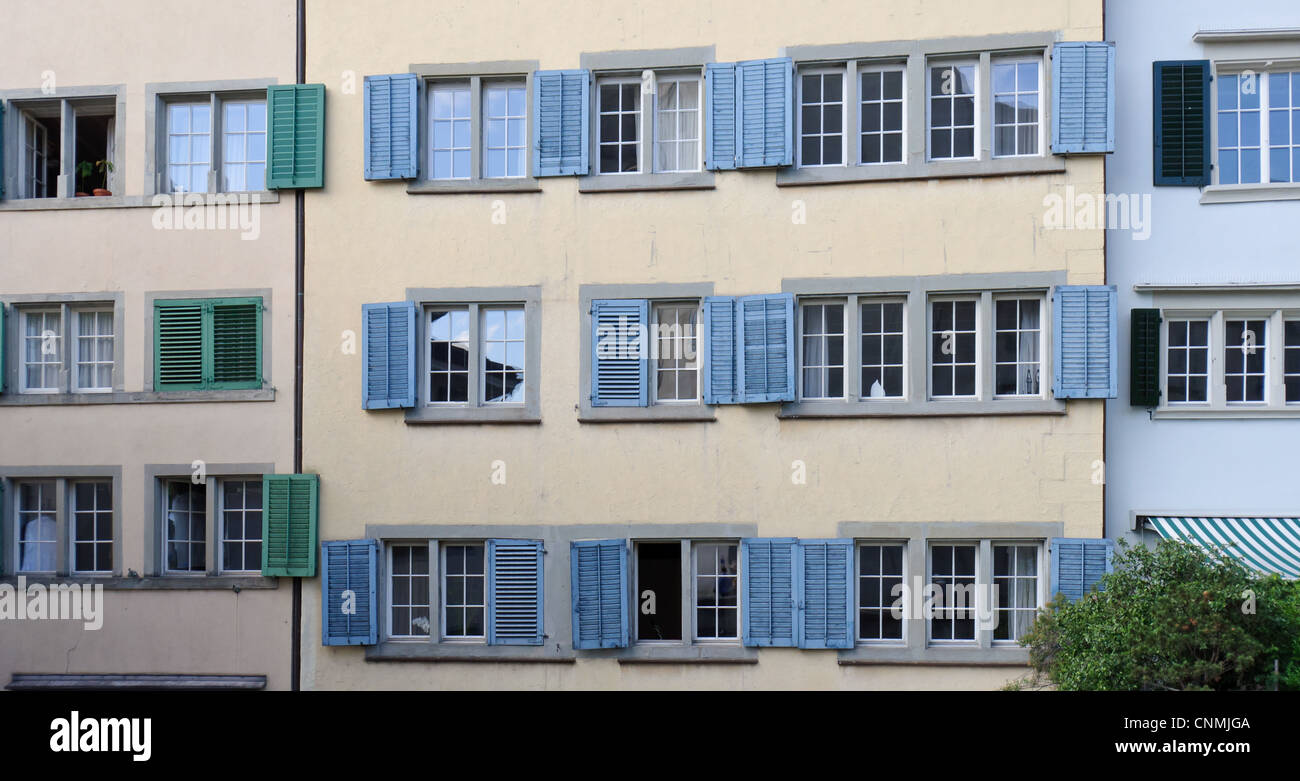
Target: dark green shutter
<point>289,525</point>
<point>1144,380</point>
<point>208,344</point>
<point>1182,122</point>
<point>237,344</point>
<point>295,129</point>
<point>178,345</point>
<point>2,337</point>
<point>2,149</point>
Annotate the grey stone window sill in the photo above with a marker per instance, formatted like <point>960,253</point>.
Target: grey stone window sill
<point>134,397</point>
<point>421,651</point>
<point>202,582</point>
<point>1250,193</point>
<point>919,408</point>
<point>687,654</point>
<point>935,169</point>
<point>461,186</point>
<point>119,682</point>
<point>623,183</point>
<point>659,413</point>
<point>452,415</point>
<point>116,201</point>
<point>966,656</point>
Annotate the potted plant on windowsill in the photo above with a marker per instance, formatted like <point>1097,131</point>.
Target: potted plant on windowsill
<point>85,169</point>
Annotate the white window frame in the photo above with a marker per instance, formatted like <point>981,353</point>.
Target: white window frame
<point>41,510</point>
<point>166,540</point>
<point>654,305</point>
<point>1234,71</point>
<point>1040,585</point>
<point>77,313</point>
<point>507,84</point>
<point>74,510</point>
<point>219,505</point>
<point>1166,322</point>
<point>443,574</point>
<point>864,393</point>
<point>1041,137</point>
<point>1284,348</point>
<point>389,574</point>
<point>247,133</point>
<point>1042,343</point>
<point>695,599</point>
<point>901,69</point>
<point>930,545</point>
<point>845,96</point>
<point>858,607</point>
<point>844,335</point>
<point>24,314</point>
<point>1267,347</point>
<point>639,113</point>
<point>977,100</point>
<point>477,384</point>
<point>1217,404</point>
<point>440,87</point>
<point>678,77</point>
<point>35,149</point>
<point>216,102</point>
<point>482,346</point>
<point>980,338</point>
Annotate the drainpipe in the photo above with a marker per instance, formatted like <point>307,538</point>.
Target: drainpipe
<point>295,663</point>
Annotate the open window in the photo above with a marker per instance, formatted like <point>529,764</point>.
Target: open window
<point>66,147</point>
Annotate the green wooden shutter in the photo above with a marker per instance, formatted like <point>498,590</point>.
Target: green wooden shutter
<point>1144,362</point>
<point>208,344</point>
<point>2,149</point>
<point>2,336</point>
<point>289,520</point>
<point>178,345</point>
<point>1181,91</point>
<point>237,344</point>
<point>295,129</point>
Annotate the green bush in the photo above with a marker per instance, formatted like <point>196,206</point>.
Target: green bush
<point>1171,618</point>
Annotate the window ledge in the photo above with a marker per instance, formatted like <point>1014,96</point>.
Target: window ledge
<point>152,582</point>
<point>461,415</point>
<point>1006,166</point>
<point>919,408</point>
<point>134,397</point>
<point>659,413</point>
<point>452,187</point>
<point>121,201</point>
<point>971,656</point>
<point>119,682</point>
<point>419,651</point>
<point>687,654</point>
<point>1234,413</point>
<point>1248,193</point>
<point>622,183</point>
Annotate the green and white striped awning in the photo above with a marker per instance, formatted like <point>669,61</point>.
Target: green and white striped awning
<point>1263,544</point>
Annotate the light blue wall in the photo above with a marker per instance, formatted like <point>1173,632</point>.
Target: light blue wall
<point>1206,466</point>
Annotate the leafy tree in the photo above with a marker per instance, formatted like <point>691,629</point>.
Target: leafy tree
<point>1170,618</point>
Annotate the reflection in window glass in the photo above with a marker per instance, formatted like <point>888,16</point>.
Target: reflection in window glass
<point>717,585</point>
<point>1015,108</point>
<point>503,355</point>
<point>504,122</point>
<point>449,137</point>
<point>882,116</point>
<point>952,111</point>
<point>448,355</point>
<point>187,521</point>
<point>189,139</point>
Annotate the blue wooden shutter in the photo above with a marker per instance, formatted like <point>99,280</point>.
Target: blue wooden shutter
<point>388,355</point>
<point>620,364</point>
<point>515,592</point>
<point>719,350</point>
<point>826,594</point>
<point>769,587</point>
<point>392,126</point>
<point>295,128</point>
<point>1085,342</point>
<point>764,113</point>
<point>1083,89</point>
<point>720,116</point>
<point>1181,93</point>
<point>1078,564</point>
<point>561,120</point>
<point>349,614</point>
<point>599,593</point>
<point>766,348</point>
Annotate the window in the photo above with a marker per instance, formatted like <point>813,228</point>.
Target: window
<point>952,111</point>
<point>93,347</point>
<point>451,147</point>
<point>618,125</point>
<point>1017,346</point>
<point>186,529</point>
<point>658,591</point>
<point>1188,361</point>
<point>42,351</point>
<point>952,573</point>
<point>208,343</point>
<point>953,350</point>
<point>678,124</point>
<point>1254,374</point>
<point>882,349</point>
<point>717,589</point>
<point>1243,359</point>
<point>241,525</point>
<point>822,350</point>
<point>505,124</point>
<point>92,527</point>
<point>880,580</point>
<point>90,164</point>
<point>1016,126</point>
<point>498,353</point>
<point>408,590</point>
<point>1015,577</point>
<point>37,527</point>
<point>216,138</point>
<point>881,118</point>
<point>40,156</point>
<point>463,591</point>
<point>1291,362</point>
<point>821,117</point>
<point>677,360</point>
<point>1258,127</point>
<point>81,363</point>
<point>476,129</point>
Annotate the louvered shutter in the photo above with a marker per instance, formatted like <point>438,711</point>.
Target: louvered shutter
<point>769,585</point>
<point>237,343</point>
<point>391,131</point>
<point>1181,92</point>
<point>826,594</point>
<point>1085,342</point>
<point>178,345</point>
<point>720,116</point>
<point>620,364</point>
<point>2,335</point>
<point>289,525</point>
<point>721,385</point>
<point>295,129</point>
<point>349,613</point>
<point>599,570</point>
<point>515,590</point>
<point>388,355</point>
<point>1078,564</point>
<point>561,120</point>
<point>1083,86</point>
<point>1144,358</point>
<point>764,113</point>
<point>766,347</point>
<point>2,149</point>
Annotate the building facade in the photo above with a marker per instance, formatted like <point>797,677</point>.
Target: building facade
<point>1201,439</point>
<point>148,343</point>
<point>876,362</point>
